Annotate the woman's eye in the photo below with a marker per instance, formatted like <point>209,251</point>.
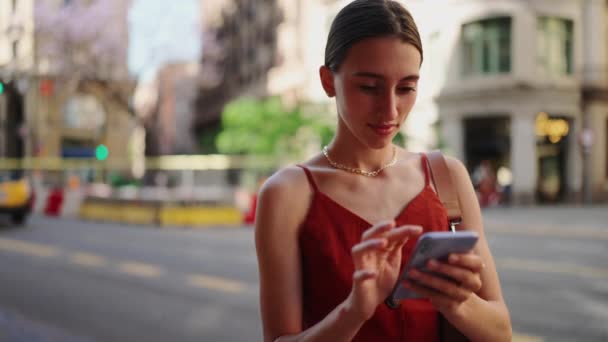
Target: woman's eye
<point>368,88</point>
<point>406,89</point>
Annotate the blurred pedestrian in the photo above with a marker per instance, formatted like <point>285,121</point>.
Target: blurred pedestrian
<point>333,233</point>
<point>486,184</point>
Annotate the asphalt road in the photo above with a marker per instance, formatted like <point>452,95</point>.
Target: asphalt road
<point>65,280</point>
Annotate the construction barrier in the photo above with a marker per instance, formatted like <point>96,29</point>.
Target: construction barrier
<point>158,213</point>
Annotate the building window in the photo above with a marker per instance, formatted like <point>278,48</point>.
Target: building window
<point>15,49</point>
<point>487,46</point>
<point>554,39</point>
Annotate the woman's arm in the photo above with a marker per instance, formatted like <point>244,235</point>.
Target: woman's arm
<point>475,306</point>
<point>282,206</point>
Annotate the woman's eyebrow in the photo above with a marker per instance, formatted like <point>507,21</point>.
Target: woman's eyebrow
<point>409,78</point>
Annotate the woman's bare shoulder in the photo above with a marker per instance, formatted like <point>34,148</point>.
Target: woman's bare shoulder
<point>286,181</point>
<point>458,170</point>
<point>284,199</point>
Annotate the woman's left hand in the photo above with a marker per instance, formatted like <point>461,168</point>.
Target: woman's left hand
<point>463,280</point>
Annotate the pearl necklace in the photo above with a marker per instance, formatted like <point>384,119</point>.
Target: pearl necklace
<point>359,171</point>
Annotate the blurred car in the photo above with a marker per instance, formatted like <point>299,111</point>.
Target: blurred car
<point>16,196</point>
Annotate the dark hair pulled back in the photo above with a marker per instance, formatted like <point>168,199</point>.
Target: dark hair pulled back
<point>363,19</point>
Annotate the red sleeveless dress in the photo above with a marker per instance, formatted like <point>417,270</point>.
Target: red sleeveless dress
<point>326,238</point>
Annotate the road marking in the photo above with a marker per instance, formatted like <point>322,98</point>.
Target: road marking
<point>552,267</point>
<point>216,283</point>
<point>29,248</point>
<point>530,230</point>
<point>88,260</point>
<point>140,269</point>
<point>525,338</point>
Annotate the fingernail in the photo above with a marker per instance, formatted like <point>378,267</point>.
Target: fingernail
<point>453,258</point>
<point>433,263</point>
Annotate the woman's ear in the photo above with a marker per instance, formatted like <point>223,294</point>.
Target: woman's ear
<point>327,81</point>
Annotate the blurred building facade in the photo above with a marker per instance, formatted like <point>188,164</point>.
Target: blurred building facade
<point>517,83</point>
<point>85,111</point>
<point>171,121</point>
<point>66,112</point>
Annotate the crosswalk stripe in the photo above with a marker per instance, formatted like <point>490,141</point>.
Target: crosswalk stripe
<point>216,283</point>
<point>86,259</point>
<point>28,248</point>
<point>140,269</point>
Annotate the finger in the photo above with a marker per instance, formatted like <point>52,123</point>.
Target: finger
<point>362,275</point>
<point>399,237</point>
<point>469,260</point>
<point>465,277</point>
<point>378,229</point>
<point>444,286</point>
<point>366,246</point>
<point>403,233</point>
<point>438,299</point>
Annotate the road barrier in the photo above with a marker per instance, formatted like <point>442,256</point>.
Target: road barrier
<point>163,214</point>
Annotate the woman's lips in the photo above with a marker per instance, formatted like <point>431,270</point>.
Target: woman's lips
<point>383,129</point>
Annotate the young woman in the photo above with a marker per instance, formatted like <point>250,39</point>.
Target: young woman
<point>333,233</point>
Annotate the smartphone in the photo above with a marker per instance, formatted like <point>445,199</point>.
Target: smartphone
<point>432,245</point>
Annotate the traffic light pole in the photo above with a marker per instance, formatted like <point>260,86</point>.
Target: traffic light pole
<point>3,131</point>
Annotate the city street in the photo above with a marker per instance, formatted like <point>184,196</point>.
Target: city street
<point>65,280</point>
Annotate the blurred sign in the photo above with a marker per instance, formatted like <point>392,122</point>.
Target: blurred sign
<point>554,129</point>
<point>84,112</point>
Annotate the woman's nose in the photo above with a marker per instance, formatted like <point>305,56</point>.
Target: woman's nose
<point>389,106</point>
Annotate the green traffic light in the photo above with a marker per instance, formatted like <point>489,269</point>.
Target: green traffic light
<point>101,152</point>
<point>1,88</point>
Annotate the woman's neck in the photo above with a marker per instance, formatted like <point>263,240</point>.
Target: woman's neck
<point>353,154</point>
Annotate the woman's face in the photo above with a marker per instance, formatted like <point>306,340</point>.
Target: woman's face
<point>375,89</point>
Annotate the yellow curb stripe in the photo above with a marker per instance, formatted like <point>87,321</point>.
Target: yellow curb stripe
<point>29,248</point>
<point>526,338</point>
<point>216,283</point>
<point>88,260</point>
<point>552,267</point>
<point>578,233</point>
<point>140,269</point>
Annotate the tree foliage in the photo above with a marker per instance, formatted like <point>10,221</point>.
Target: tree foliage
<point>266,127</point>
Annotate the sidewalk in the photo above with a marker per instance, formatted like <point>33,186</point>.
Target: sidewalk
<point>560,216</point>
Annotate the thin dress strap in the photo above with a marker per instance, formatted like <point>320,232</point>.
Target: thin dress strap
<point>425,167</point>
<point>311,179</point>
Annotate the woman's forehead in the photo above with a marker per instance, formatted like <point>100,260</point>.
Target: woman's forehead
<point>382,56</point>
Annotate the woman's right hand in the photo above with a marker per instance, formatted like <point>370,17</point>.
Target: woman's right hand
<point>377,260</point>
